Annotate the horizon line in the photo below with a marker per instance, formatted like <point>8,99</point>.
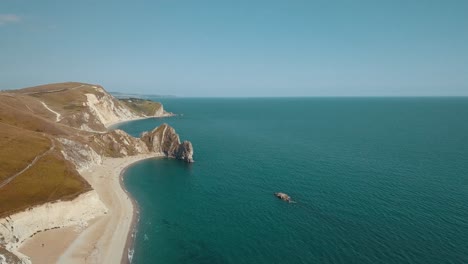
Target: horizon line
<point>311,96</point>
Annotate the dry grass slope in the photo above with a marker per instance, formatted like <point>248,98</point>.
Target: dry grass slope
<point>146,107</point>
<point>51,179</point>
<point>27,134</point>
<point>18,148</point>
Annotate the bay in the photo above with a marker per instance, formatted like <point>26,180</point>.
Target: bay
<point>376,180</point>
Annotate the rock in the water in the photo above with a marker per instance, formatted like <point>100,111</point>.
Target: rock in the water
<point>185,151</point>
<point>283,196</point>
<point>164,139</point>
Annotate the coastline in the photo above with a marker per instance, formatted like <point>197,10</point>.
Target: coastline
<point>113,239</point>
<point>107,238</point>
<point>131,233</point>
<point>111,125</point>
<point>130,242</point>
<point>99,225</point>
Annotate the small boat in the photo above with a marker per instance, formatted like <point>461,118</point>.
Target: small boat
<point>283,197</point>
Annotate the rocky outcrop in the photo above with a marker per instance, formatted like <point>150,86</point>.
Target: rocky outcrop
<point>165,140</point>
<point>6,257</point>
<point>162,140</point>
<point>185,152</point>
<point>117,143</point>
<point>283,197</point>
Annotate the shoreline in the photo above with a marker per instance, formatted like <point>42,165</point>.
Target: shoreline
<point>111,125</point>
<point>130,242</point>
<point>108,238</point>
<point>131,236</point>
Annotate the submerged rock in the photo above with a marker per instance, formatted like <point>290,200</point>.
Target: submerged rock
<point>283,197</point>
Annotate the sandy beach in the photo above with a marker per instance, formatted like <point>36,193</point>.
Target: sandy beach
<point>105,238</point>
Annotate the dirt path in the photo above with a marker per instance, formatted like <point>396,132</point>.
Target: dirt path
<point>9,179</point>
<point>57,115</point>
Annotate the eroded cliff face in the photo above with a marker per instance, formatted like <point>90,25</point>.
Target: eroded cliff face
<point>117,143</point>
<point>6,257</point>
<point>107,110</point>
<point>162,141</point>
<point>98,110</point>
<point>79,154</point>
<point>165,140</point>
<point>18,227</point>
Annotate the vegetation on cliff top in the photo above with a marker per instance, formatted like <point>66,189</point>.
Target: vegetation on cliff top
<point>146,107</point>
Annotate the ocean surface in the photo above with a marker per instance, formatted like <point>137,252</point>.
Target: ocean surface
<point>376,180</point>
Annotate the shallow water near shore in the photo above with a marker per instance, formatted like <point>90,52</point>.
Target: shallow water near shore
<point>376,180</point>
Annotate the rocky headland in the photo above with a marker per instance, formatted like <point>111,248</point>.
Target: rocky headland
<point>55,142</point>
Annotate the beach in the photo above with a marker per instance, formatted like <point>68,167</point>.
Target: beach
<point>105,238</point>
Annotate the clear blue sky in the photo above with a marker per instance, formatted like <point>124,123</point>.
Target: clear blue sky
<point>239,48</point>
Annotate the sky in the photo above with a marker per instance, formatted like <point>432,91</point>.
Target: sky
<point>239,48</point>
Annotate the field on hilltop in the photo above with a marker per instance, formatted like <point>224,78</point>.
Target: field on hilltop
<point>141,105</point>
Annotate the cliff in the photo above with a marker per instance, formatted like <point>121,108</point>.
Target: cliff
<point>50,134</point>
<point>162,140</point>
<point>82,106</point>
<point>18,227</point>
<point>146,107</point>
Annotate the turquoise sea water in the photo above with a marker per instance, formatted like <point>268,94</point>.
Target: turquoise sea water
<point>376,180</point>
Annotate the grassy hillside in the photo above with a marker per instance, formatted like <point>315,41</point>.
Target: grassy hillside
<point>28,113</point>
<point>146,107</point>
<point>18,148</point>
<point>32,168</point>
<point>50,179</point>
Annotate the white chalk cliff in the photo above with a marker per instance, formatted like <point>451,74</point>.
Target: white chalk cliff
<point>15,229</point>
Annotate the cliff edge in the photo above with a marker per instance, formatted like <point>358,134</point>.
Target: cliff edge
<point>50,134</point>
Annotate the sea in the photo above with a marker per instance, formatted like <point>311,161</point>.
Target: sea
<point>374,180</point>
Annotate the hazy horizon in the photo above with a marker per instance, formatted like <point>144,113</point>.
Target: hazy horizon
<point>239,49</point>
